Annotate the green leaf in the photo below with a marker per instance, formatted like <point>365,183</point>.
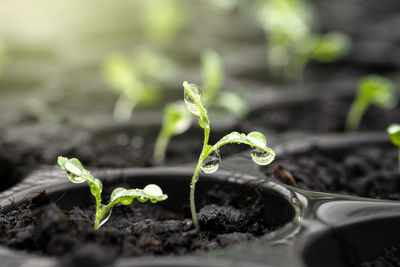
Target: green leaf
<point>213,75</point>
<point>192,97</point>
<point>78,174</point>
<point>377,90</point>
<point>331,46</point>
<point>151,192</point>
<point>253,139</point>
<point>233,103</point>
<point>394,134</point>
<point>176,118</point>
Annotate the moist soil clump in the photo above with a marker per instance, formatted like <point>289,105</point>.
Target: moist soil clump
<point>324,115</point>
<point>366,171</point>
<point>228,215</point>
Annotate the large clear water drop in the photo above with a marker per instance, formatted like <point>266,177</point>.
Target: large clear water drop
<point>257,138</point>
<point>153,190</point>
<point>261,157</point>
<point>211,163</point>
<point>189,101</point>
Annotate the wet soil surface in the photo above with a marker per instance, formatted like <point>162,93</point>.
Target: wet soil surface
<point>318,116</point>
<point>366,171</point>
<point>228,215</point>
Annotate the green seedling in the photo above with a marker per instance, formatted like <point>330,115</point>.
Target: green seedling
<point>78,174</point>
<point>292,42</point>
<point>394,134</point>
<point>137,80</point>
<point>372,90</point>
<point>177,119</point>
<point>210,159</point>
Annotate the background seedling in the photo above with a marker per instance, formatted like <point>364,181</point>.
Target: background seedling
<point>78,174</point>
<point>176,121</point>
<point>210,159</point>
<point>136,79</point>
<point>289,27</point>
<point>372,90</point>
<point>394,134</point>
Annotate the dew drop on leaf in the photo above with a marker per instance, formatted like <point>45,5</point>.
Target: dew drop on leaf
<point>153,190</point>
<point>189,101</point>
<point>261,157</point>
<point>211,163</point>
<point>257,139</point>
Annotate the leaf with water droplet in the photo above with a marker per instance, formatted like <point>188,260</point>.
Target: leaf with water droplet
<point>257,138</point>
<point>192,98</point>
<point>211,163</point>
<point>261,153</point>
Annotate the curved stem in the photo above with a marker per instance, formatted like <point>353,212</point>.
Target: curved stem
<point>356,112</point>
<point>161,146</point>
<point>195,177</point>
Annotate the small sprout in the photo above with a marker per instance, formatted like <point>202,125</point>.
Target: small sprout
<point>176,117</point>
<point>210,159</point>
<point>136,79</point>
<point>78,174</point>
<point>176,121</point>
<point>372,90</point>
<point>394,134</point>
<point>292,41</point>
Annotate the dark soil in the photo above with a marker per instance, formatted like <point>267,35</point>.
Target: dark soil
<point>366,171</point>
<point>26,147</point>
<point>390,258</point>
<point>41,227</point>
<point>324,115</point>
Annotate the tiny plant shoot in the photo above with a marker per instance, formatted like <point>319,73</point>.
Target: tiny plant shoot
<point>136,79</point>
<point>210,159</point>
<point>372,90</point>
<point>292,40</point>
<point>78,174</point>
<point>176,117</point>
<point>394,134</point>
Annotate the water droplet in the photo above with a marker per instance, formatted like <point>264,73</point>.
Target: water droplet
<point>235,136</point>
<point>211,163</point>
<point>106,218</point>
<point>153,190</point>
<point>126,200</point>
<point>261,157</point>
<point>257,138</point>
<point>73,173</point>
<point>189,101</point>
